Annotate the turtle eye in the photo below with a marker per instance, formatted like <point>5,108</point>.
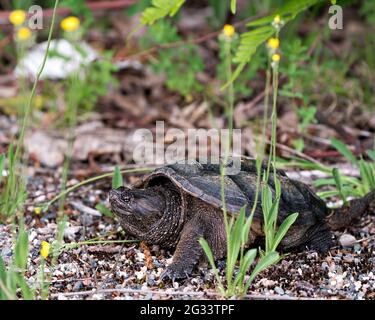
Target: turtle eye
<point>125,198</point>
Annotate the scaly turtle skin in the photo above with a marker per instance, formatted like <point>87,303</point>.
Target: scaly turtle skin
<point>177,204</point>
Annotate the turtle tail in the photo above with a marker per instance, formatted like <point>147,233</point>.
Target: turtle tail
<point>354,209</point>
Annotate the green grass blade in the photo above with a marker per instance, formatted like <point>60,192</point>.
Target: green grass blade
<point>344,150</point>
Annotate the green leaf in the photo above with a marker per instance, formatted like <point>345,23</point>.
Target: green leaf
<point>338,182</point>
<point>27,293</point>
<point>207,250</point>
<point>251,40</point>
<point>2,161</point>
<point>266,203</point>
<point>233,6</point>
<point>287,11</point>
<point>104,210</point>
<point>3,276</point>
<point>160,9</point>
<point>283,229</point>
<point>371,154</point>
<point>266,261</point>
<point>324,182</point>
<point>344,150</point>
<point>246,262</point>
<point>235,241</point>
<point>367,175</point>
<point>117,180</point>
<point>327,194</point>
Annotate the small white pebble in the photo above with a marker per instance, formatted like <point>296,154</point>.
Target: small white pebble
<point>358,285</point>
<point>347,240</point>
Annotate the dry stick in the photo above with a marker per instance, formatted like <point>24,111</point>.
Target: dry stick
<point>187,293</point>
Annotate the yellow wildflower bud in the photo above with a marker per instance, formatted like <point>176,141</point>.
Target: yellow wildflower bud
<point>44,252</point>
<point>273,43</point>
<point>277,19</point>
<point>38,210</point>
<point>276,57</point>
<point>23,33</point>
<point>17,17</point>
<point>228,30</point>
<point>70,24</point>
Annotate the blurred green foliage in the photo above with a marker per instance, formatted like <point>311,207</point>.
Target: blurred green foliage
<point>179,64</point>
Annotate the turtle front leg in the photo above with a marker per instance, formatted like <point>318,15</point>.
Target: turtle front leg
<point>187,253</point>
<point>207,223</point>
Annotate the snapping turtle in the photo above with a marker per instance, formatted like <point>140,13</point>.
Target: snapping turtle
<point>177,204</point>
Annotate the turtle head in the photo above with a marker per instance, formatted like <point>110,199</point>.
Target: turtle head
<point>143,207</point>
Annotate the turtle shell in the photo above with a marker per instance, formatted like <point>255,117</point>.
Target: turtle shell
<point>204,182</point>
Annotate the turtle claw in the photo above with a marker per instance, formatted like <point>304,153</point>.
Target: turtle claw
<point>174,272</point>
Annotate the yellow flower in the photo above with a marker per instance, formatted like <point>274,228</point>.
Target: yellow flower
<point>44,252</point>
<point>228,30</point>
<point>276,57</point>
<point>17,17</point>
<point>277,19</point>
<point>23,33</point>
<point>38,210</point>
<point>273,43</point>
<point>70,24</point>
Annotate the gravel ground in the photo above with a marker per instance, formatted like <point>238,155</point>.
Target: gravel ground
<point>132,270</point>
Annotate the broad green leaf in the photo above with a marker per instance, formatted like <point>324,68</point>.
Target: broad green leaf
<point>287,11</point>
<point>233,6</point>
<point>324,182</point>
<point>371,154</point>
<point>283,229</point>
<point>327,194</point>
<point>266,261</point>
<point>160,9</point>
<point>367,174</point>
<point>117,180</point>
<point>207,250</point>
<point>338,182</point>
<point>235,241</point>
<point>247,260</point>
<point>2,161</point>
<point>27,293</point>
<point>104,210</point>
<point>22,248</point>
